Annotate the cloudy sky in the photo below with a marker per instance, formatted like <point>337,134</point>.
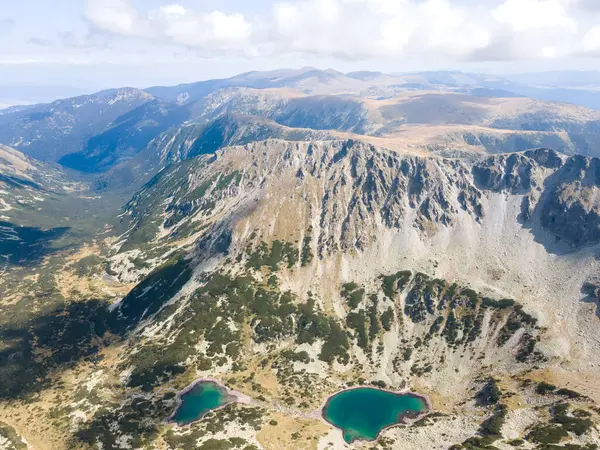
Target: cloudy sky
<point>92,44</point>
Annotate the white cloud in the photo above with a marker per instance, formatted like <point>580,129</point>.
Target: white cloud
<point>202,30</point>
<point>173,10</point>
<point>40,42</point>
<point>525,15</point>
<point>591,42</point>
<point>171,23</point>
<point>31,61</point>
<point>116,17</point>
<point>588,5</point>
<point>376,28</point>
<point>361,29</point>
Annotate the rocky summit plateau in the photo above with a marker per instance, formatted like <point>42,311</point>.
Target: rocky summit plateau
<point>287,237</point>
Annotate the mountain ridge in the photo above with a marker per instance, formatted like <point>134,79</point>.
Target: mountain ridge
<point>294,239</point>
<point>93,134</point>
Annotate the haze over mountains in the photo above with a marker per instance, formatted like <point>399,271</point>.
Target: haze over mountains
<point>295,233</point>
<point>455,112</point>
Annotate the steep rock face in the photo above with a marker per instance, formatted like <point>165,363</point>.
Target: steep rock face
<point>349,191</point>
<point>357,211</point>
<point>227,130</point>
<point>571,208</point>
<point>516,173</point>
<point>359,187</point>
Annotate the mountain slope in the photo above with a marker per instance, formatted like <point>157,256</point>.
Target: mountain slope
<point>25,183</point>
<point>48,132</point>
<point>125,137</point>
<point>291,270</point>
<point>299,233</point>
<point>193,139</point>
<point>448,113</point>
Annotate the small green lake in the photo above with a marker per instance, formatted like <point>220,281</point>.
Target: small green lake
<point>202,397</point>
<point>363,413</point>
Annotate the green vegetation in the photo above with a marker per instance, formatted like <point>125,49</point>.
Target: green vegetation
<point>392,284</point>
<point>569,393</point>
<point>232,179</point>
<point>138,417</point>
<point>487,302</point>
<point>547,434</point>
<point>88,266</point>
<point>374,326</point>
<point>59,338</point>
<point>25,246</point>
<point>148,297</point>
<point>567,447</point>
<point>387,319</point>
<point>491,429</point>
<point>302,356</point>
<point>9,438</point>
<point>544,388</point>
<point>490,394</point>
<point>271,315</point>
<point>147,209</point>
<point>307,255</point>
<point>353,295</point>
<point>456,314</point>
<point>336,344</point>
<point>358,322</point>
<point>571,423</point>
<point>561,425</point>
<point>272,257</point>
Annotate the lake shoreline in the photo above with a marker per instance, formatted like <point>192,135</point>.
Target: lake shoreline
<point>233,397</point>
<point>405,418</point>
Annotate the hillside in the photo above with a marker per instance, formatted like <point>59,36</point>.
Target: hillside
<point>290,235</point>
<point>290,270</point>
<point>448,113</point>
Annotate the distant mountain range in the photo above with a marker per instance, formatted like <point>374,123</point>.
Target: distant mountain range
<point>297,233</point>
<point>462,112</point>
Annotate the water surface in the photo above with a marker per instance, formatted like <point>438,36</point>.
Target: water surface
<point>201,398</point>
<point>363,413</point>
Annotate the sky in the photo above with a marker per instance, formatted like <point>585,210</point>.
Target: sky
<point>94,44</point>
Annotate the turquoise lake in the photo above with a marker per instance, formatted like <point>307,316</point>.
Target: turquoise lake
<point>202,398</point>
<point>363,413</point>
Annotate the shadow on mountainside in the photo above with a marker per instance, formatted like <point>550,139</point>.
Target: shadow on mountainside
<point>564,220</point>
<point>32,349</point>
<point>27,245</point>
<point>562,213</point>
<point>592,295</point>
<point>140,416</point>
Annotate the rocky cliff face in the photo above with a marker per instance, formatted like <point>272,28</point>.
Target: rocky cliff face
<point>572,204</point>
<point>504,224</point>
<point>349,192</point>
